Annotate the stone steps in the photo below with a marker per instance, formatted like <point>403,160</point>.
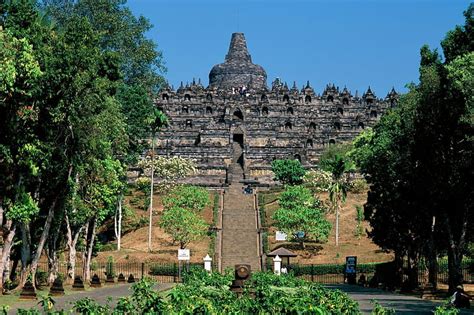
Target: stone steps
<point>239,229</point>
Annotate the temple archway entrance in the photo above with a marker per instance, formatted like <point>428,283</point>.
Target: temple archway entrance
<point>238,147</point>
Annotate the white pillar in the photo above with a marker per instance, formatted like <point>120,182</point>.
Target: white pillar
<point>277,265</point>
<point>207,263</point>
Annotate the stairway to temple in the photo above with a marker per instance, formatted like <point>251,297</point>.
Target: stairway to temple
<point>239,229</point>
<point>239,226</point>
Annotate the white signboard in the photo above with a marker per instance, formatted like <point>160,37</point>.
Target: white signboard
<point>280,236</point>
<point>184,254</point>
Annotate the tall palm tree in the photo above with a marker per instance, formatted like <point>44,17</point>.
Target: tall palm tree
<point>158,120</point>
<point>339,166</point>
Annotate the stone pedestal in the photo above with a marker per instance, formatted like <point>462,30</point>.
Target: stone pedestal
<point>57,288</point>
<point>121,278</point>
<point>110,279</point>
<point>277,265</point>
<point>95,281</point>
<point>131,279</point>
<point>78,284</point>
<point>28,292</point>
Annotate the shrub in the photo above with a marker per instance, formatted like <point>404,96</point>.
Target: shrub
<point>299,270</point>
<point>163,270</point>
<point>380,310</point>
<point>317,180</point>
<point>358,186</point>
<point>108,247</point>
<point>289,172</point>
<point>41,277</point>
<point>109,268</point>
<point>188,197</point>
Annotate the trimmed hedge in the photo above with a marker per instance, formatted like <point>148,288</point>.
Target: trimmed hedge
<point>300,270</point>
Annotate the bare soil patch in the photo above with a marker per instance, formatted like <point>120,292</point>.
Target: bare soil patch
<point>135,243</point>
<point>328,253</point>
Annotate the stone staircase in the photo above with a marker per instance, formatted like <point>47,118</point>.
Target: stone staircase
<point>239,229</point>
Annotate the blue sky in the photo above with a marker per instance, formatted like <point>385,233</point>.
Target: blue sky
<point>349,43</point>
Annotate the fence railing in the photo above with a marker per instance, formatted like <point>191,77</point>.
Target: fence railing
<point>159,272</point>
<point>170,272</point>
<point>334,273</point>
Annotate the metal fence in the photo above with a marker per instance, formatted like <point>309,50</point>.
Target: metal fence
<point>334,273</point>
<point>170,272</point>
<point>467,271</point>
<point>159,272</point>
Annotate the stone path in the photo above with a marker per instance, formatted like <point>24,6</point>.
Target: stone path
<point>403,304</point>
<point>100,295</point>
<point>239,226</point>
<point>239,229</point>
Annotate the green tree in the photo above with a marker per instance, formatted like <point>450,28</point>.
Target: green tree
<point>188,197</point>
<point>339,167</point>
<point>419,161</point>
<point>340,149</point>
<point>132,60</point>
<point>299,211</point>
<point>157,121</point>
<point>288,172</point>
<point>183,225</point>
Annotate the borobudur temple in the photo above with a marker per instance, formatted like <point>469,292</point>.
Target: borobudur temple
<point>237,126</point>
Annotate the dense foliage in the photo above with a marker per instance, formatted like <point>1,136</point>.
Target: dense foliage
<point>181,218</point>
<point>189,197</point>
<point>301,215</point>
<point>76,83</point>
<point>289,172</point>
<point>203,293</point>
<point>419,161</point>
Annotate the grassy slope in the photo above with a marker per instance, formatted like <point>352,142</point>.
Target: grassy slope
<point>349,244</point>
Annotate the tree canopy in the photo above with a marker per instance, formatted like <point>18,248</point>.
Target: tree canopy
<point>419,160</point>
<point>289,172</point>
<point>76,88</point>
<point>300,212</point>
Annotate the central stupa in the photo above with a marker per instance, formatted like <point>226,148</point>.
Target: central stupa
<point>238,70</point>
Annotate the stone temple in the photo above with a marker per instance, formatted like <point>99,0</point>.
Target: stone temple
<point>237,126</point>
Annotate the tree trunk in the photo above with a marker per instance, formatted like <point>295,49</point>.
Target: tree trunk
<point>25,254</point>
<point>53,265</point>
<point>398,266</point>
<point>302,244</point>
<point>454,268</point>
<point>337,223</point>
<point>53,260</point>
<point>455,255</point>
<point>118,223</point>
<point>42,241</point>
<point>90,247</point>
<point>432,258</point>
<point>151,190</point>
<point>71,243</point>
<point>84,252</point>
<point>7,247</point>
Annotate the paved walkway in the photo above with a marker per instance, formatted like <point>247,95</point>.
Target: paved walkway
<point>100,295</point>
<point>403,304</point>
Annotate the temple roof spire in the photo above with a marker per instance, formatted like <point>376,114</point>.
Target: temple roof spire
<point>238,70</point>
<point>238,49</point>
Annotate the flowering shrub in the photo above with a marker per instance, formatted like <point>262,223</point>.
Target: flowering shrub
<point>318,180</point>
